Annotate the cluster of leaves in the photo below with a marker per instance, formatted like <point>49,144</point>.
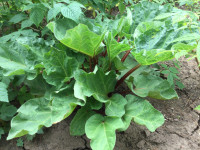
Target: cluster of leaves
<point>193,5</point>
<point>60,60</point>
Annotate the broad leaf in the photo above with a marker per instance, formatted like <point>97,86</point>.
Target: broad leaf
<point>141,112</point>
<point>152,86</point>
<point>3,92</point>
<point>77,125</point>
<point>38,86</point>
<point>14,62</point>
<point>115,106</point>
<point>188,37</point>
<point>83,40</point>
<point>59,68</point>
<point>17,18</point>
<point>98,85</point>
<point>37,14</point>
<point>39,112</point>
<point>7,111</point>
<point>53,12</point>
<point>60,26</point>
<point>114,48</point>
<point>101,131</point>
<point>154,40</point>
<point>147,11</point>
<point>72,11</point>
<point>26,23</point>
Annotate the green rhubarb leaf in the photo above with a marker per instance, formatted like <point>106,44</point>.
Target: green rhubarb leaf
<point>17,18</point>
<point>77,125</point>
<point>97,84</point>
<point>142,112</point>
<point>37,14</point>
<point>7,111</point>
<point>188,37</point>
<point>115,106</point>
<point>114,48</point>
<point>101,131</point>
<point>53,12</point>
<point>145,57</point>
<point>152,86</point>
<point>14,61</point>
<point>60,26</point>
<point>147,11</point>
<point>154,41</point>
<point>26,23</point>
<point>59,68</point>
<point>73,11</point>
<point>38,86</point>
<point>82,40</point>
<point>39,112</point>
<point>3,92</point>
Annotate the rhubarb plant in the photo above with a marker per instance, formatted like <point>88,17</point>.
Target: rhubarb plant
<point>80,63</point>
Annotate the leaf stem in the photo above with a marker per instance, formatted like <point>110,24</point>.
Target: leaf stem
<point>125,55</point>
<point>118,40</point>
<point>126,75</point>
<point>105,53</point>
<point>197,62</point>
<point>90,65</point>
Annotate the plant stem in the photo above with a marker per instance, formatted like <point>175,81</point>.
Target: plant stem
<point>126,55</point>
<point>197,62</point>
<point>90,64</point>
<point>118,40</point>
<point>104,55</point>
<point>126,75</point>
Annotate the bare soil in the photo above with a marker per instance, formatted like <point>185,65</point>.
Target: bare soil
<point>180,132</point>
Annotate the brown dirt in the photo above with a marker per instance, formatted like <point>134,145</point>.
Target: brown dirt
<point>180,132</point>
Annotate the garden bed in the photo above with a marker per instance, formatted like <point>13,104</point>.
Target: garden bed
<point>180,132</point>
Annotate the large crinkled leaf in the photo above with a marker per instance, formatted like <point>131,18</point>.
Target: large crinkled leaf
<point>188,37</point>
<point>141,112</point>
<point>38,86</point>
<point>14,62</point>
<point>53,12</point>
<point>7,111</point>
<point>101,131</point>
<point>39,112</point>
<point>82,40</point>
<point>17,18</point>
<point>152,86</point>
<point>72,11</point>
<point>114,48</point>
<point>145,57</point>
<point>115,106</point>
<point>60,26</point>
<point>147,11</point>
<point>77,125</point>
<point>154,40</point>
<point>182,49</point>
<point>3,92</point>
<point>97,84</point>
<point>14,36</point>
<point>59,68</point>
<point>37,14</point>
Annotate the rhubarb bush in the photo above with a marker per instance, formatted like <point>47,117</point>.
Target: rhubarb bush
<point>59,61</point>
